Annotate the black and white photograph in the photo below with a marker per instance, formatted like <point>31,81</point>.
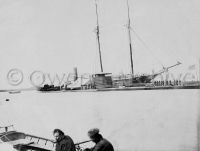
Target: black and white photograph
<point>99,75</point>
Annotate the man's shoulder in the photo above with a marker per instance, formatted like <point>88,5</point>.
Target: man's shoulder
<point>67,138</point>
<point>104,142</point>
<point>105,145</point>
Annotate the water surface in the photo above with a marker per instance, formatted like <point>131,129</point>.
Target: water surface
<point>132,120</point>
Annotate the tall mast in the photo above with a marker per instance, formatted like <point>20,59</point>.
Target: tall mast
<point>129,35</point>
<point>98,40</point>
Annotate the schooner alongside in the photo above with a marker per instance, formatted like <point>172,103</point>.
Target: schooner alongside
<point>106,82</point>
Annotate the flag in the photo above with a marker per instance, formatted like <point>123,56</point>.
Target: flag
<point>192,67</point>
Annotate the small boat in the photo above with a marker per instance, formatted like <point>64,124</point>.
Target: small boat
<point>14,91</point>
<point>20,140</point>
<point>47,87</point>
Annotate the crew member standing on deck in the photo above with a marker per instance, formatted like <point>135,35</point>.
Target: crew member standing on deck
<point>63,142</point>
<point>101,144</point>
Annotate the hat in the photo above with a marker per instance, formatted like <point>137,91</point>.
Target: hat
<point>92,132</point>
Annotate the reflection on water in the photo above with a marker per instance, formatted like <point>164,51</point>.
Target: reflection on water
<point>131,120</point>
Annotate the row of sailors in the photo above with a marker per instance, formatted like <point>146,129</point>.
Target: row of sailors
<point>168,83</point>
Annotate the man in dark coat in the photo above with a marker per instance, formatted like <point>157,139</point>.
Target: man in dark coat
<point>63,142</point>
<point>101,144</point>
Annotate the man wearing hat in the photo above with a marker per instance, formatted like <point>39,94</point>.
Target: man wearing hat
<point>101,144</point>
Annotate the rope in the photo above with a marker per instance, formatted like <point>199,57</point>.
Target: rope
<point>145,45</point>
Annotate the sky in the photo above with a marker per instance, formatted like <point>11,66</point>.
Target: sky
<point>56,36</point>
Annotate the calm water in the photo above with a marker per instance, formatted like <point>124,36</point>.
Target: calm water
<point>151,120</point>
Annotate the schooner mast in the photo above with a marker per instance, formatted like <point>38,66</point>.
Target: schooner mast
<point>98,40</point>
<point>129,36</point>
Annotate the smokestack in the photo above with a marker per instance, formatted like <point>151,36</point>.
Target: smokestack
<point>75,74</point>
<point>199,69</point>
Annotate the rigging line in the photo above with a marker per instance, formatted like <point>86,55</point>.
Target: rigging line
<point>139,38</point>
